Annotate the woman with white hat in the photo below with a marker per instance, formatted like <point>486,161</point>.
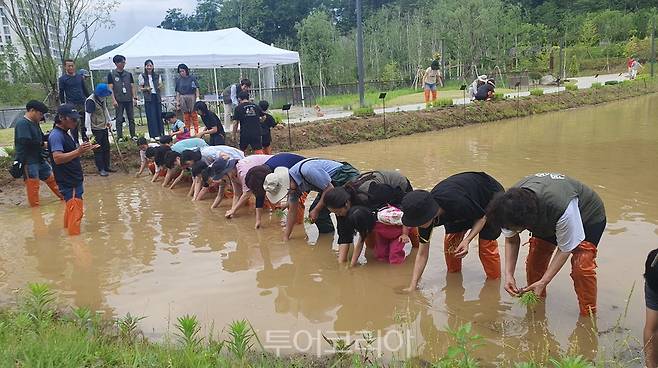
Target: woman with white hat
<point>473,89</point>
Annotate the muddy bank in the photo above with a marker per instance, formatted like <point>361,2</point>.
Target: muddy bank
<point>354,130</point>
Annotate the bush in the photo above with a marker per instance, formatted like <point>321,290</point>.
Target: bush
<point>442,102</point>
<point>278,117</point>
<point>537,92</point>
<point>499,97</point>
<point>571,86</point>
<point>597,85</point>
<point>611,83</point>
<point>363,112</point>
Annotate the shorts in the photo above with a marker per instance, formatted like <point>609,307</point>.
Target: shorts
<point>430,86</point>
<point>70,192</point>
<point>650,298</point>
<point>266,139</point>
<point>251,140</point>
<point>42,171</point>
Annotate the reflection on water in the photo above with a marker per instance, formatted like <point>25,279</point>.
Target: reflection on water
<point>152,252</point>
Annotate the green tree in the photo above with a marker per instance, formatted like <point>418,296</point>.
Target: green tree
<point>317,37</point>
<point>176,20</point>
<point>589,34</point>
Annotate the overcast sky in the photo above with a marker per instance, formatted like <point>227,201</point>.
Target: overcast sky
<point>132,15</point>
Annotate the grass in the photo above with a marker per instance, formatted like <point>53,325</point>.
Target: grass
<point>442,102</point>
<point>38,334</point>
<point>597,85</point>
<point>537,92</point>
<point>571,87</point>
<point>364,112</point>
<point>371,98</point>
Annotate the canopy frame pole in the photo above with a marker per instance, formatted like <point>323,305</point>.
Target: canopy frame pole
<point>260,86</point>
<point>301,86</point>
<point>91,76</point>
<point>216,90</point>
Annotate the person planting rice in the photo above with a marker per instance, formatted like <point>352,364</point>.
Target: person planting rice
<point>237,171</point>
<point>213,126</point>
<point>143,145</point>
<point>256,177</point>
<point>385,227</point>
<point>150,158</point>
<point>457,202</point>
<point>158,160</point>
<point>473,88</point>
<point>247,119</point>
<point>486,91</point>
<point>313,174</point>
<point>266,124</point>
<point>373,190</point>
<point>559,212</point>
<point>207,155</point>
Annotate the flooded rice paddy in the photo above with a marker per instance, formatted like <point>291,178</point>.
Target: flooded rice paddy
<point>152,252</point>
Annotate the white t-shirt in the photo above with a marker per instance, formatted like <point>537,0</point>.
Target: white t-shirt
<point>141,81</point>
<point>569,230</point>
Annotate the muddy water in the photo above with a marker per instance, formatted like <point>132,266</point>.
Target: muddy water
<point>151,252</point>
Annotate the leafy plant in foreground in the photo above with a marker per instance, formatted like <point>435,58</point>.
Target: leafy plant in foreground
<point>188,331</point>
<point>39,302</point>
<point>571,362</point>
<point>128,329</point>
<point>241,337</point>
<point>460,355</point>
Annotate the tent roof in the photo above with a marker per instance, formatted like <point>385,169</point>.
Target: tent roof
<point>224,48</point>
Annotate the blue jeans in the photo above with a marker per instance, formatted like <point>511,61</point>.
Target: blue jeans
<point>69,192</point>
<point>42,171</point>
<point>430,86</point>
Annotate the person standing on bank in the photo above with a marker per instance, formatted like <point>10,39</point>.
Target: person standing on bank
<point>187,93</point>
<point>431,80</point>
<point>459,202</point>
<point>124,95</point>
<point>247,117</point>
<point>73,90</point>
<point>559,212</point>
<point>30,151</point>
<point>65,156</point>
<point>230,98</point>
<point>97,121</point>
<point>151,85</point>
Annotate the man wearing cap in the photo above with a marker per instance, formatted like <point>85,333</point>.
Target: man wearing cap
<point>72,89</point>
<point>312,174</point>
<point>30,151</point>
<point>65,156</point>
<point>459,203</point>
<point>560,212</point>
<point>97,122</point>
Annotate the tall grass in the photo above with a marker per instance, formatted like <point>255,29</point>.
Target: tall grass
<point>371,97</point>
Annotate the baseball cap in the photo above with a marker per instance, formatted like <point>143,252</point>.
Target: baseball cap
<point>221,167</point>
<point>102,90</point>
<point>418,207</point>
<point>68,111</point>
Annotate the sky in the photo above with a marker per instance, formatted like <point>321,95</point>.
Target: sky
<point>132,15</point>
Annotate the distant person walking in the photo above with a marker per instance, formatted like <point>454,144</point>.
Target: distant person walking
<point>72,89</point>
<point>431,79</point>
<point>30,151</point>
<point>150,83</point>
<point>635,68</point>
<point>231,101</point>
<point>124,95</point>
<point>187,93</point>
<point>97,121</point>
<point>65,156</point>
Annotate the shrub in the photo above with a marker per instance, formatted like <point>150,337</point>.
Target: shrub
<point>537,92</point>
<point>571,86</point>
<point>442,102</point>
<point>597,85</point>
<point>278,117</point>
<point>363,112</point>
<point>499,97</point>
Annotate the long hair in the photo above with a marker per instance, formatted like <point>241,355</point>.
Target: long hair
<point>149,61</point>
<point>363,220</point>
<point>201,106</point>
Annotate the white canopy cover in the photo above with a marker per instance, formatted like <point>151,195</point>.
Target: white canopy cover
<point>224,48</point>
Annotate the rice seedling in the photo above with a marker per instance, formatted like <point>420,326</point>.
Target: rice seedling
<point>241,336</point>
<point>529,299</point>
<point>279,213</point>
<point>128,328</point>
<point>188,331</point>
<point>307,220</point>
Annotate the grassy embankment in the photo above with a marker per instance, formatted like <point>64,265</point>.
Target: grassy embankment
<point>38,334</point>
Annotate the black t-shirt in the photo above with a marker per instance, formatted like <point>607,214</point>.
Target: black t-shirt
<point>211,120</point>
<point>248,114</point>
<point>268,124</point>
<point>483,91</point>
<point>28,141</point>
<point>68,174</point>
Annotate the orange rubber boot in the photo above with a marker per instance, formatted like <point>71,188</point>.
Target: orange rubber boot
<point>32,189</point>
<point>539,256</point>
<point>583,273</point>
<point>301,208</point>
<point>187,120</point>
<point>74,212</point>
<point>195,122</point>
<point>490,258</point>
<point>427,95</point>
<point>450,243</point>
<point>434,93</point>
<point>52,184</point>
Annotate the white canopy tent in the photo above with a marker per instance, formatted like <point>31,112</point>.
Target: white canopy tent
<point>224,48</point>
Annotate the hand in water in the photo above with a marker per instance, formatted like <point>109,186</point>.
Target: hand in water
<point>538,288</point>
<point>462,249</point>
<point>313,215</point>
<point>510,287</point>
<point>229,214</point>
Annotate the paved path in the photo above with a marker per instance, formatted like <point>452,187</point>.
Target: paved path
<point>581,82</point>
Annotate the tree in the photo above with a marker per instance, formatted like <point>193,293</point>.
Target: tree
<point>317,40</point>
<point>589,34</point>
<point>46,30</point>
<point>176,20</point>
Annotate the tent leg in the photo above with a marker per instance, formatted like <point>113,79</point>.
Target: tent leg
<point>214,70</point>
<point>260,86</point>
<point>301,86</point>
<point>91,76</point>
